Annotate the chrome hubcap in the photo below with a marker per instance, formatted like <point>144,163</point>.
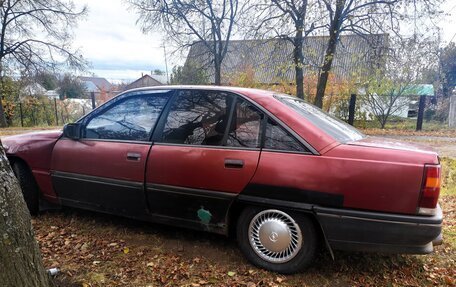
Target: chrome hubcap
<point>275,236</point>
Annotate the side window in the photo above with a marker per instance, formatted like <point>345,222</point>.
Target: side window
<point>245,126</point>
<point>131,119</point>
<point>279,139</point>
<point>198,118</point>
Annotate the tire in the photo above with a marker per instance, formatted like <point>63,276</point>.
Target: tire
<point>28,186</point>
<point>296,250</point>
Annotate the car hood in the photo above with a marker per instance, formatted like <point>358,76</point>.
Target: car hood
<point>16,143</point>
<point>388,143</point>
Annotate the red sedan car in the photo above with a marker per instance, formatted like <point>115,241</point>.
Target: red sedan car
<point>280,174</point>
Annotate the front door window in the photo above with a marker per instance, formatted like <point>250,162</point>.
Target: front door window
<point>131,119</point>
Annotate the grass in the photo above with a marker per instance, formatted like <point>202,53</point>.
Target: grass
<point>448,199</point>
<point>400,126</point>
<point>448,176</point>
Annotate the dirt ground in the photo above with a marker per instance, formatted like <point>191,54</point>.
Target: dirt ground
<point>102,250</point>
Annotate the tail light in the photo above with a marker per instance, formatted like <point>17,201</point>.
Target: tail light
<point>430,190</point>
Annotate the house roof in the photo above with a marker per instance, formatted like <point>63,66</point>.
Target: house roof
<point>271,60</point>
<point>419,90</point>
<point>144,81</point>
<point>101,83</point>
<point>90,87</point>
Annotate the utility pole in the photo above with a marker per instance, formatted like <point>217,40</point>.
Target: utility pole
<point>166,64</point>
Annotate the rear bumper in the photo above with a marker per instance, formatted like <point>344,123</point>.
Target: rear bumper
<point>380,232</point>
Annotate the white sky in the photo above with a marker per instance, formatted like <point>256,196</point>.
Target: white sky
<point>115,46</point>
<point>117,49</point>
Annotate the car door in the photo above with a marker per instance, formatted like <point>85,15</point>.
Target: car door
<point>205,152</point>
<point>104,169</point>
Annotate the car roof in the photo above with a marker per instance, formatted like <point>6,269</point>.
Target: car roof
<point>244,91</point>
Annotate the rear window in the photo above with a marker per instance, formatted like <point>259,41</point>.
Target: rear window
<point>336,128</point>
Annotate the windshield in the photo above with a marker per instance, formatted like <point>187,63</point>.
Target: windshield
<point>334,127</point>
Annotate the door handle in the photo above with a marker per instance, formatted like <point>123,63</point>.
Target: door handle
<point>234,163</point>
<point>134,156</point>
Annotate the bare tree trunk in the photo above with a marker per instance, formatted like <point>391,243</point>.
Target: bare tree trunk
<point>299,59</point>
<point>329,55</point>
<point>20,258</point>
<point>218,73</point>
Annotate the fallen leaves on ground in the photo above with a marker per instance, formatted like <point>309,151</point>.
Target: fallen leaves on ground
<point>100,250</point>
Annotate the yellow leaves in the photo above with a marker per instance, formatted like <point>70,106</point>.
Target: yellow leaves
<point>126,250</point>
<point>280,279</point>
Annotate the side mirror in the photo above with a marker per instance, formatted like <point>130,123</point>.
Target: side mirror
<point>72,131</point>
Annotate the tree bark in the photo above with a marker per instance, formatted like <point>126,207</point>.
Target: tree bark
<point>334,33</point>
<point>218,73</point>
<point>299,59</point>
<point>20,258</point>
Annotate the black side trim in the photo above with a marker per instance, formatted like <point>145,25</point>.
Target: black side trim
<point>204,208</point>
<point>275,202</point>
<point>97,179</point>
<point>99,193</point>
<point>191,191</point>
<point>293,195</point>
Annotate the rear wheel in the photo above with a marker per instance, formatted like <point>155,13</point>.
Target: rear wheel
<point>276,240</point>
<point>28,186</point>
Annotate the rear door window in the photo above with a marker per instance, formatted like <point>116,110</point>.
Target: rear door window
<point>245,126</point>
<point>277,138</point>
<point>198,118</point>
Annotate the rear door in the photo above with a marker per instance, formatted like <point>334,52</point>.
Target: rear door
<point>104,170</point>
<point>205,152</point>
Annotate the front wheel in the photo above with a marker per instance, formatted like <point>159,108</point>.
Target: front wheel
<point>28,186</point>
<point>275,240</point>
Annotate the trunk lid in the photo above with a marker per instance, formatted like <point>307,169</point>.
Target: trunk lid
<point>389,143</point>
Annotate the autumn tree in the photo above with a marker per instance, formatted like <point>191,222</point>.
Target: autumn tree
<point>186,21</point>
<point>35,36</point>
<point>48,80</point>
<point>71,87</point>
<point>158,72</point>
<point>363,17</point>
<point>447,65</point>
<point>388,89</point>
<point>188,75</point>
<point>20,262</point>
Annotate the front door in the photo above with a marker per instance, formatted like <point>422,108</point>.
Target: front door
<point>104,170</point>
<point>205,152</point>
